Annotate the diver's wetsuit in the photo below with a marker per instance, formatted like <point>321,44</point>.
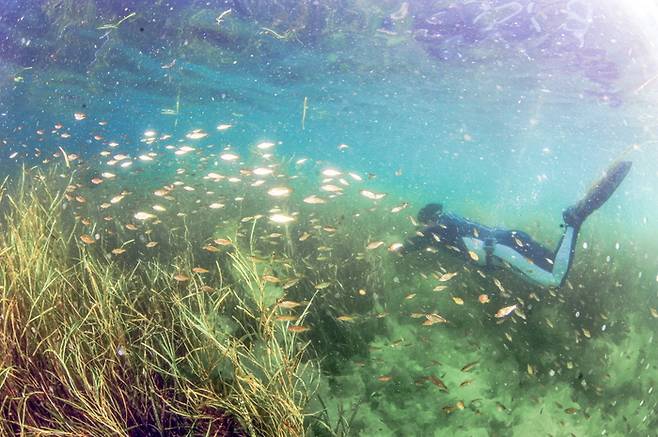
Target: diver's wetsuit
<point>515,250</point>
<point>492,248</point>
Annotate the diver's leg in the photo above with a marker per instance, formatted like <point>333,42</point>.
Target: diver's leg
<point>533,261</point>
<point>598,194</point>
<point>524,267</point>
<point>564,254</point>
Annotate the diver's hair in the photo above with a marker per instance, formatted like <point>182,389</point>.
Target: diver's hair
<point>429,212</point>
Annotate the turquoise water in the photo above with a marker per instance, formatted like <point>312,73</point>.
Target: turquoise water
<point>498,131</point>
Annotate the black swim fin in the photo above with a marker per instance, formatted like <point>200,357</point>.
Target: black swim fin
<point>598,194</point>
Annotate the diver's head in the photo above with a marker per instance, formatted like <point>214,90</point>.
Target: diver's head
<point>430,213</point>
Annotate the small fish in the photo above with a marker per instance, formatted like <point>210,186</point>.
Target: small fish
<point>346,318</point>
<point>131,227</point>
<point>448,409</point>
<point>200,270</point>
<point>458,300</point>
<point>474,256</point>
<point>288,304</point>
<point>265,145</point>
<point>79,116</point>
<point>447,276</point>
<point>87,239</point>
<point>271,279</point>
<point>229,157</point>
<point>322,285</point>
<point>437,382</point>
<point>372,195</point>
<point>330,188</point>
<point>384,378</point>
<point>433,319</point>
<point>304,236</point>
<point>505,311</point>
<point>470,366</point>
<point>410,296</point>
<point>281,218</point>
<point>654,313</point>
<point>223,127</point>
<point>374,245</point>
<point>290,283</point>
<point>331,173</point>
<point>181,277</point>
<point>96,181</point>
<point>223,242</point>
<point>571,410</point>
<point>196,134</point>
<point>118,251</point>
<point>285,318</point>
<point>395,247</point>
<point>279,191</point>
<point>483,298</point>
<point>439,288</point>
<point>143,216</point>
<point>466,382</point>
<point>211,248</point>
<point>298,328</point>
<point>151,244</point>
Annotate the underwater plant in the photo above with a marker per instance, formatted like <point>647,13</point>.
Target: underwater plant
<point>91,347</point>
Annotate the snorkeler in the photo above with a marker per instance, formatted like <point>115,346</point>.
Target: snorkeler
<point>514,250</point>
